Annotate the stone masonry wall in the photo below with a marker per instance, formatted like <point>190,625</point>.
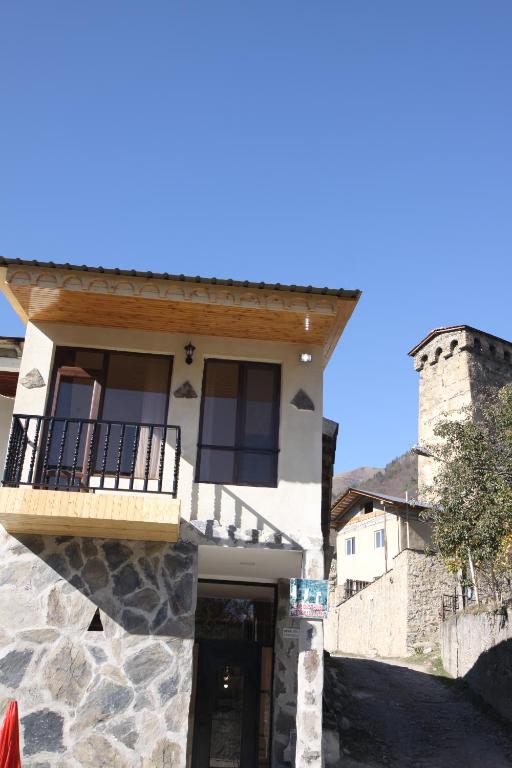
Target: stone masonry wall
<point>458,369</point>
<point>118,697</point>
<point>478,647</point>
<point>286,650</point>
<point>427,581</point>
<point>374,622</point>
<point>397,613</point>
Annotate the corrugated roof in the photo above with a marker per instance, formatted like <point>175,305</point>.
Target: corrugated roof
<point>338,292</point>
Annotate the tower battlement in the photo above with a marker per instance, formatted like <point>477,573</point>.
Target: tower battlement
<point>460,367</point>
<point>443,343</point>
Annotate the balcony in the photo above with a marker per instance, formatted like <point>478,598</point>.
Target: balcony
<point>86,477</point>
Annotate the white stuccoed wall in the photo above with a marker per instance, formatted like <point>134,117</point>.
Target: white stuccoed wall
<point>293,508</point>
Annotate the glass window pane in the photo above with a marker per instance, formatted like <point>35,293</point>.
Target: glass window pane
<point>74,397</point>
<point>259,408</point>
<point>89,359</point>
<point>220,403</point>
<point>216,466</point>
<point>257,468</point>
<point>136,388</point>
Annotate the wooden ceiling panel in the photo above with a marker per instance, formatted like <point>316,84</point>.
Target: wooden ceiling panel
<point>82,308</point>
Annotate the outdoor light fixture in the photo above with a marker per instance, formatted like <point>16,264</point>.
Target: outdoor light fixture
<point>305,357</point>
<point>189,350</point>
<point>307,323</point>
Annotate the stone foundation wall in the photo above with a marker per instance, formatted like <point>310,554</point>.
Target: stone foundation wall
<point>117,697</point>
<point>396,614</point>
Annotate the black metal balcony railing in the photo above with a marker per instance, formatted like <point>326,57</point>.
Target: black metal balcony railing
<point>88,455</point>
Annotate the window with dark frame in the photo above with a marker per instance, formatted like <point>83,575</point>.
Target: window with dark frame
<point>112,386</point>
<point>239,426</point>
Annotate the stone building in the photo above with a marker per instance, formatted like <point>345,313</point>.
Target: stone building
<point>460,367</point>
<point>390,611</point>
<point>163,483</point>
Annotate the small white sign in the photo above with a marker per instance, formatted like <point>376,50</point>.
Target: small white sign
<point>290,633</point>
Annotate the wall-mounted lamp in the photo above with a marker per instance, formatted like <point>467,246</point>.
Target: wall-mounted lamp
<point>305,357</point>
<point>189,353</point>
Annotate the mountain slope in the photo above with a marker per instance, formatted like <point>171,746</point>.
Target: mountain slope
<point>397,477</point>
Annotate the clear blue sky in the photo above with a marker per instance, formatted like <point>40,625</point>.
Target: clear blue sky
<point>352,144</point>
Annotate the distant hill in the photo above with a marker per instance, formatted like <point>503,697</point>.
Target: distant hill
<point>397,477</point>
<point>353,478</point>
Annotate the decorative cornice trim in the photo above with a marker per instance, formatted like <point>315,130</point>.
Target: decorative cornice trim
<point>168,290</point>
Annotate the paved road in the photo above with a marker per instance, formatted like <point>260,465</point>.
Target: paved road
<point>401,717</point>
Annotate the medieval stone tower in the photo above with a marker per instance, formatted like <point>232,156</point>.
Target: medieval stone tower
<point>459,366</point>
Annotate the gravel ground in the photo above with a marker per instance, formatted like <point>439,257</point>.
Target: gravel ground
<point>395,714</point>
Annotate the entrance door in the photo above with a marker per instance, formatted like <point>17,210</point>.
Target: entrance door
<point>226,726</point>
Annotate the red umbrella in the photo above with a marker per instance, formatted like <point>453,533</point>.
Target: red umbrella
<point>10,739</point>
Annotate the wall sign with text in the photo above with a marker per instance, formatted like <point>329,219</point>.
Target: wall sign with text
<point>308,599</point>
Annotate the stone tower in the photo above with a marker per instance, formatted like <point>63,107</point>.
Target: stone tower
<point>459,366</point>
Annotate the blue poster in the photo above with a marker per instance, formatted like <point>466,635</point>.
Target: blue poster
<point>308,599</point>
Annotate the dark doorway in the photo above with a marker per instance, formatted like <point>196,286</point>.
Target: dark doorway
<point>233,680</point>
<point>226,729</point>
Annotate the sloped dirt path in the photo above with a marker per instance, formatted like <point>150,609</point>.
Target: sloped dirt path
<point>395,714</point>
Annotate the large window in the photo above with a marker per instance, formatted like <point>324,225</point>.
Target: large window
<point>238,436</point>
<point>379,538</point>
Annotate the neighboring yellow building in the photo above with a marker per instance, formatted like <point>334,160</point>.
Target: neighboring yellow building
<point>371,530</point>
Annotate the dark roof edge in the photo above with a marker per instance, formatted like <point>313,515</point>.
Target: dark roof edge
<point>361,492</point>
<point>340,293</point>
<point>450,329</point>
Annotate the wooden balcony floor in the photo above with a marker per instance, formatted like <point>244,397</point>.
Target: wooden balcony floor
<point>107,515</point>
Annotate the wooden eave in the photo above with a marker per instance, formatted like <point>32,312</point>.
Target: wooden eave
<point>354,495</point>
<point>83,296</point>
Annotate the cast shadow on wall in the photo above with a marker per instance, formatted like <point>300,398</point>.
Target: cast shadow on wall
<point>139,587</point>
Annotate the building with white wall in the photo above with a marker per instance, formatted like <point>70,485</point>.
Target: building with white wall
<point>371,530</point>
<point>163,483</point>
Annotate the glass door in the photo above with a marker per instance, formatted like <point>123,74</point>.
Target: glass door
<point>126,396</point>
<point>75,401</point>
<point>226,727</point>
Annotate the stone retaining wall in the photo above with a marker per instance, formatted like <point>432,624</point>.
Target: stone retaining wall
<point>395,615</point>
<point>118,697</point>
<point>478,648</point>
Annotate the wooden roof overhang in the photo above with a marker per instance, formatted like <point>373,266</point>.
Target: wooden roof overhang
<point>353,495</point>
<point>159,302</point>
